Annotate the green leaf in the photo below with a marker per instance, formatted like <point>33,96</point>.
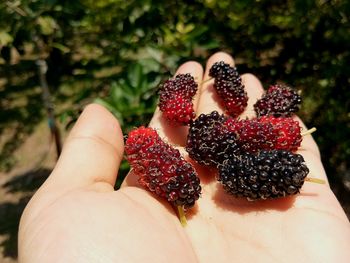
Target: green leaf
<point>61,47</point>
<point>197,31</point>
<point>121,98</point>
<point>5,38</point>
<point>47,25</point>
<point>155,53</point>
<point>210,44</point>
<point>150,65</point>
<point>135,75</point>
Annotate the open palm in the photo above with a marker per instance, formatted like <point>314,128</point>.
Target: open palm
<point>76,216</point>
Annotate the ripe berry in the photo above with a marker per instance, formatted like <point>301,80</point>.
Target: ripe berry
<point>208,140</point>
<point>269,174</point>
<point>178,110</point>
<point>278,101</point>
<point>252,135</point>
<point>176,99</point>
<point>224,71</point>
<point>229,87</point>
<point>287,132</point>
<point>161,168</point>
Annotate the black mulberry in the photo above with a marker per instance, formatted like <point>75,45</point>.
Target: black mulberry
<point>270,174</point>
<point>209,142</point>
<point>278,101</point>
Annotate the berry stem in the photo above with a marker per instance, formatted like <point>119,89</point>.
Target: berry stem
<point>204,81</point>
<point>315,180</point>
<point>312,130</point>
<point>182,216</point>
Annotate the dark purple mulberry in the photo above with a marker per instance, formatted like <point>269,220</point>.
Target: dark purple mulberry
<point>229,87</point>
<point>208,140</point>
<point>270,174</point>
<point>278,101</point>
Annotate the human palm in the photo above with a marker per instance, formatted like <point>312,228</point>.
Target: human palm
<point>76,216</point>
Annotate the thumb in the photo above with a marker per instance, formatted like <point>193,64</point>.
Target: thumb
<point>92,152</point>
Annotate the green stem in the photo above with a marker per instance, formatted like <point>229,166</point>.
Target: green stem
<point>204,81</point>
<point>182,216</point>
<point>313,129</point>
<point>315,180</point>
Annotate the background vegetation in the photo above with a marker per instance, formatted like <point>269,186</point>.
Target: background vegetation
<point>115,52</point>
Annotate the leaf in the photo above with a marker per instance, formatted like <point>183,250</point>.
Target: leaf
<point>61,47</point>
<point>5,39</point>
<point>154,53</point>
<point>135,75</point>
<point>150,65</point>
<point>211,44</point>
<point>122,97</point>
<point>47,25</point>
<point>197,31</point>
<point>184,29</point>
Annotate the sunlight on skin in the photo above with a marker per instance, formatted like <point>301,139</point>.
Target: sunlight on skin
<point>77,217</point>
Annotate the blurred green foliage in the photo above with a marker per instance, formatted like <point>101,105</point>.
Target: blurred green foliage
<point>116,52</point>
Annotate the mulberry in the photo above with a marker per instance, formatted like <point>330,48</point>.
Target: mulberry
<point>176,99</point>
<point>269,174</point>
<point>278,101</point>
<point>209,142</point>
<point>161,168</point>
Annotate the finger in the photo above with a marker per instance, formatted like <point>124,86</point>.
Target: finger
<point>254,91</point>
<point>92,152</point>
<point>208,99</point>
<point>177,135</point>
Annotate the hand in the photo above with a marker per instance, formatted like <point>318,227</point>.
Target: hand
<point>76,216</point>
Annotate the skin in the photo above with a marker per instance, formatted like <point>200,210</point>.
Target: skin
<point>76,216</point>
